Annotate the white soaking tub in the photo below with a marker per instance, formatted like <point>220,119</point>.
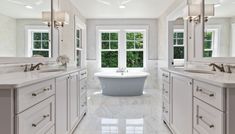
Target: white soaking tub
<point>122,84</point>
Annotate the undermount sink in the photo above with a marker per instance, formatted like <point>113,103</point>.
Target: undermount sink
<point>198,71</point>
<point>51,70</point>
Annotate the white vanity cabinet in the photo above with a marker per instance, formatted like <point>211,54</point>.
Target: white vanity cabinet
<point>198,105</point>
<point>181,100</point>
<point>43,103</point>
<point>68,102</point>
<point>166,97</point>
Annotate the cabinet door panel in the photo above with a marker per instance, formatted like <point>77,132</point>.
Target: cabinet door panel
<point>181,104</point>
<point>74,100</point>
<point>62,126</point>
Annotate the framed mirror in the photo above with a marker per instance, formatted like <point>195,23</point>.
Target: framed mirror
<point>22,31</point>
<point>219,28</point>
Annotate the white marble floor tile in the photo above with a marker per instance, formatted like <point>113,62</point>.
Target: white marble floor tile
<point>123,115</point>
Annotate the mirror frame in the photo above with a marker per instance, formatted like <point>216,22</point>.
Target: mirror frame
<point>55,52</point>
<point>198,52</point>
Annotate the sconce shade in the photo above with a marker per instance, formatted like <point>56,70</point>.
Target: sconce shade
<point>209,10</point>
<point>192,10</point>
<point>46,16</point>
<point>62,17</point>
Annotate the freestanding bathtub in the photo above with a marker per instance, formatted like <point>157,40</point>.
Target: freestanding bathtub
<point>122,84</point>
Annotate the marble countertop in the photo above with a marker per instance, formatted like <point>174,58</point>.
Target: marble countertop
<point>21,79</point>
<point>216,78</point>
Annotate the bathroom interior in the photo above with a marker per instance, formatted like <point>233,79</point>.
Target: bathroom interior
<point>117,66</point>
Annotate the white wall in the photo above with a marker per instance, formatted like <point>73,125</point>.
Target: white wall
<point>7,36</point>
<point>67,37</point>
<point>152,47</point>
<point>21,42</point>
<point>225,34</point>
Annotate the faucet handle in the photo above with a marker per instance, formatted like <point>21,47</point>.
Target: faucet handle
<point>25,67</point>
<point>228,68</point>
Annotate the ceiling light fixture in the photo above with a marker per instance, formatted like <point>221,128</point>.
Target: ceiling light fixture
<point>27,6</point>
<point>122,6</point>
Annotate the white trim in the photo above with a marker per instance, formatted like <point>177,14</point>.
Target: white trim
<point>122,40</point>
<point>28,38</point>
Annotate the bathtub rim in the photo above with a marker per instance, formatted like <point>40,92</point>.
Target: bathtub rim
<point>119,75</point>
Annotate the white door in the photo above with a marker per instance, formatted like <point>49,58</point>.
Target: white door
<point>62,123</point>
<point>74,100</point>
<point>182,101</point>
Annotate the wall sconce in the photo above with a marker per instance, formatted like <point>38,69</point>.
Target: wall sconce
<point>209,11</point>
<point>60,18</point>
<point>192,13</point>
<point>46,18</point>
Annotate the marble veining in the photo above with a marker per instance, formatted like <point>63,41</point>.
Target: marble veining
<point>123,115</point>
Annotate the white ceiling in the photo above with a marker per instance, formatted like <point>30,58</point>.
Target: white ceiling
<point>16,8</point>
<point>134,8</point>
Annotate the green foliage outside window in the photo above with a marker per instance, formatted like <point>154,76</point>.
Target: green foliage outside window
<point>178,43</point>
<point>41,44</point>
<point>207,52</point>
<point>135,59</point>
<point>178,52</point>
<point>109,59</point>
<point>41,53</point>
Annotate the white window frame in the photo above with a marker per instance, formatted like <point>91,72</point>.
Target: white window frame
<point>178,62</point>
<point>215,48</point>
<point>122,40</point>
<point>29,30</point>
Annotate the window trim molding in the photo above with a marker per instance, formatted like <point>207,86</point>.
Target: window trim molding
<point>28,40</point>
<point>121,39</point>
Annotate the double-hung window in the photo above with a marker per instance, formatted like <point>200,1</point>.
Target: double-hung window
<point>134,49</point>
<point>178,44</point>
<point>208,43</point>
<point>122,48</point>
<point>109,49</point>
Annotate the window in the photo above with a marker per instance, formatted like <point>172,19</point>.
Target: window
<point>109,49</point>
<point>122,48</point>
<point>134,50</point>
<point>178,41</point>
<point>78,42</point>
<point>41,43</point>
<point>208,44</point>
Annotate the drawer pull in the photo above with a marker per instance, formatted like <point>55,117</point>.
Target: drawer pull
<point>38,93</point>
<point>204,92</point>
<point>83,73</point>
<point>164,75</point>
<point>208,124</point>
<point>44,117</point>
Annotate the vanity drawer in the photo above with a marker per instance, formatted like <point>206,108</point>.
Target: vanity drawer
<point>31,95</point>
<point>165,90</point>
<point>83,74</point>
<point>165,111</point>
<point>38,119</point>
<point>207,119</point>
<point>166,76</point>
<point>83,105</point>
<point>83,86</point>
<point>212,95</point>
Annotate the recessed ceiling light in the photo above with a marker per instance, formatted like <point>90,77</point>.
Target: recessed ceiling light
<point>27,6</point>
<point>122,6</point>
<point>217,5</point>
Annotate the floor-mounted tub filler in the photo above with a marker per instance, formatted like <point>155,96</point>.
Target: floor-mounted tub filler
<point>122,84</point>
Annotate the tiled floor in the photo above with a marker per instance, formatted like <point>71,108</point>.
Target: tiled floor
<point>123,115</point>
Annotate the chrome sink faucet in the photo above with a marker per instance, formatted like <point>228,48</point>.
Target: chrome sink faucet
<point>121,70</point>
<point>215,66</point>
<point>37,66</point>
